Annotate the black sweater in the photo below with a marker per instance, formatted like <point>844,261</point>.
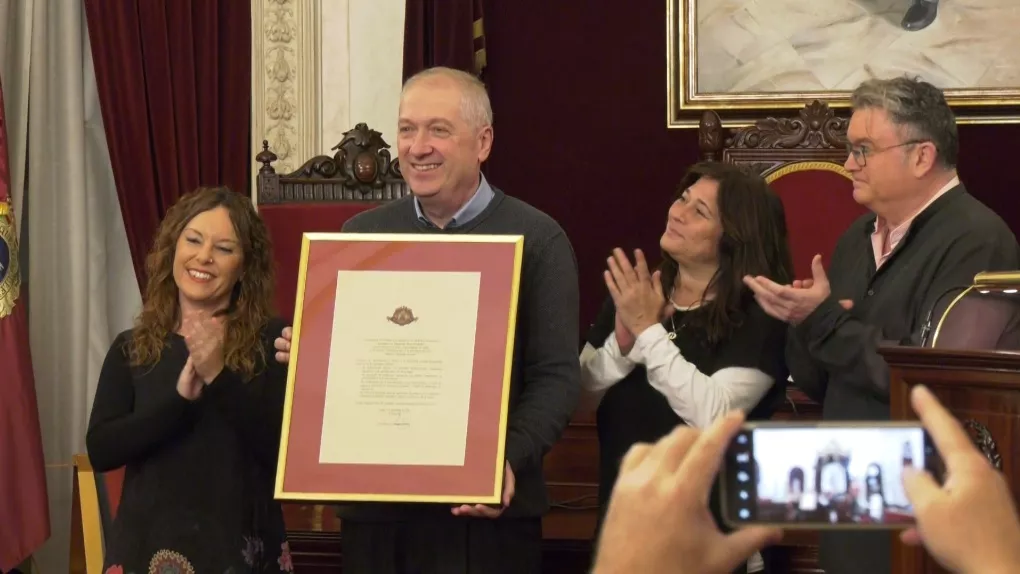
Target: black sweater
<point>632,411</point>
<point>833,354</point>
<point>546,377</point>
<point>198,484</point>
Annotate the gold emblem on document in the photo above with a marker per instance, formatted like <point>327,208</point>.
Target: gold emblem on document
<point>10,279</point>
<point>403,316</point>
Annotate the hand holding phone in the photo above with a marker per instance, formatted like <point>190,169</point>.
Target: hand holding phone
<point>970,524</point>
<point>824,475</point>
<point>661,500</point>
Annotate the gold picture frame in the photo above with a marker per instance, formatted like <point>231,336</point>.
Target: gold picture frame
<point>686,103</point>
<point>380,361</point>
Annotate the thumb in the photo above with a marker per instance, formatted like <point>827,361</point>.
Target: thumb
<point>846,304</point>
<point>189,366</point>
<point>188,371</point>
<point>657,283</point>
<point>921,487</point>
<point>817,270</point>
<point>740,545</point>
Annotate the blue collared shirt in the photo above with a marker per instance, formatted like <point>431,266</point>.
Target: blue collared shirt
<point>475,206</point>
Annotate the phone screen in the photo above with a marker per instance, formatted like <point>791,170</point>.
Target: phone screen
<point>823,475</point>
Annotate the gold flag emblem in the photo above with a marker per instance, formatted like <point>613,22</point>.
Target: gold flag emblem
<point>10,278</point>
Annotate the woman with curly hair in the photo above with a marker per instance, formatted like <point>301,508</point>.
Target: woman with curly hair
<point>189,403</point>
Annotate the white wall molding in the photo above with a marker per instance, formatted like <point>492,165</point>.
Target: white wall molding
<point>320,67</point>
<point>285,78</point>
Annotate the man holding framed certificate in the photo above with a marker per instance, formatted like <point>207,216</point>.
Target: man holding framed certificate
<point>511,279</point>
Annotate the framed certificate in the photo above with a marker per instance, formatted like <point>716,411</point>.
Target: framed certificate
<point>399,373</point>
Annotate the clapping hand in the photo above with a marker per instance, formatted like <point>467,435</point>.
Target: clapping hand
<point>189,384</point>
<point>624,338</point>
<point>793,303</point>
<point>204,333</point>
<point>636,293</point>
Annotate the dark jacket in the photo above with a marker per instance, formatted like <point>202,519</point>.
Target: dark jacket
<point>833,354</point>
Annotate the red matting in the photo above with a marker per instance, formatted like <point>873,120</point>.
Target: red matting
<point>300,475</point>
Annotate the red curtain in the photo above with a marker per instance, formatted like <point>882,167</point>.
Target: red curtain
<point>174,82</point>
<point>443,33</point>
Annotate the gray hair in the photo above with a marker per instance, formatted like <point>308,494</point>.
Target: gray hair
<point>474,101</point>
<point>916,105</point>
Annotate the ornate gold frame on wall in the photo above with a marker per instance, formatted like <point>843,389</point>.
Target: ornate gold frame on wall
<point>685,105</point>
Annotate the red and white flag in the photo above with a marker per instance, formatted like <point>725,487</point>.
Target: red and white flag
<point>24,508</point>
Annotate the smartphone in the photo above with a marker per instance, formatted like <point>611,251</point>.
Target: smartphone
<point>823,475</point>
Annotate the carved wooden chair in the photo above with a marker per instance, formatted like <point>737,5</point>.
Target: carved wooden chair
<point>801,157</point>
<point>320,196</point>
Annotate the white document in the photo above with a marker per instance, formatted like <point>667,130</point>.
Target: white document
<point>400,363</point>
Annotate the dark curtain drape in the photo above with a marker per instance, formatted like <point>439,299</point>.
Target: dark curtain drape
<point>174,81</point>
<point>447,33</point>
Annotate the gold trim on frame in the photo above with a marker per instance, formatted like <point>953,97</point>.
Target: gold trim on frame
<point>685,106</point>
<point>306,239</point>
<point>807,166</point>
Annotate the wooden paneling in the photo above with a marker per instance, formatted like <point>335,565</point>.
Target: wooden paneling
<point>982,389</point>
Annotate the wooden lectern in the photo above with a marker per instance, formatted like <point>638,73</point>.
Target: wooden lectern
<point>973,367</point>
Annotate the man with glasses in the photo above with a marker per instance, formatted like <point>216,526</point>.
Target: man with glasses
<point>925,237</point>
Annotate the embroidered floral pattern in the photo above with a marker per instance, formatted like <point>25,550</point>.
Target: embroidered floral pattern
<point>286,565</point>
<point>252,551</point>
<point>170,562</point>
<point>115,569</point>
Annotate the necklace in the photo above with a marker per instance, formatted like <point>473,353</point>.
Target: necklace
<point>672,323</point>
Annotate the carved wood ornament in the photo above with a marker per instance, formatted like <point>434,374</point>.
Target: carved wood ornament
<point>983,440</point>
<point>815,127</point>
<point>816,133</point>
<point>362,169</point>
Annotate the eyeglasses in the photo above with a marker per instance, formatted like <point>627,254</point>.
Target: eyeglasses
<point>861,153</point>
